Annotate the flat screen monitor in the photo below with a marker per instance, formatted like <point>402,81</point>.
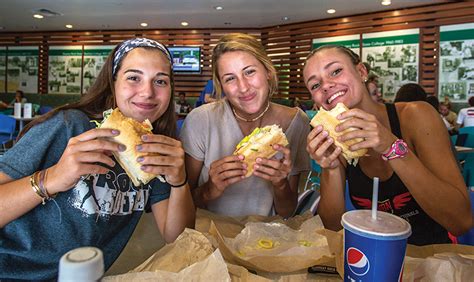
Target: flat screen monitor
<point>186,59</point>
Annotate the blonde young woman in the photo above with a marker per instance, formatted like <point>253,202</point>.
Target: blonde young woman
<point>419,177</point>
<point>210,133</point>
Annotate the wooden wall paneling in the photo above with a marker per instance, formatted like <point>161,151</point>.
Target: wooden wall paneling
<point>287,45</point>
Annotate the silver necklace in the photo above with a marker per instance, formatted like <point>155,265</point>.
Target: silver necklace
<point>253,119</point>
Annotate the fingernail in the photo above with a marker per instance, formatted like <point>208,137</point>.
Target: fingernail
<point>258,160</point>
<point>256,166</point>
<point>115,132</point>
<point>241,157</point>
<point>144,137</point>
<point>122,148</point>
<point>143,167</point>
<point>325,133</point>
<point>330,140</point>
<point>140,159</point>
<point>139,147</point>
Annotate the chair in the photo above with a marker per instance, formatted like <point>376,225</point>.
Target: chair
<point>44,109</point>
<point>7,130</point>
<point>469,141</point>
<point>179,125</point>
<point>309,198</point>
<point>311,113</point>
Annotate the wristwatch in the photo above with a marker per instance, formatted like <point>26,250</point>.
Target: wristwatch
<point>399,149</point>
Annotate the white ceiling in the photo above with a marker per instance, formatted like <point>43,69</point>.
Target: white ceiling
<point>17,15</point>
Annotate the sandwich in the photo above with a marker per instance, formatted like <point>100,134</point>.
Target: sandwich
<point>130,136</point>
<point>328,119</point>
<point>260,143</point>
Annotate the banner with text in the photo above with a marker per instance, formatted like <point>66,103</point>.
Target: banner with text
<point>456,62</point>
<point>350,41</point>
<point>393,57</point>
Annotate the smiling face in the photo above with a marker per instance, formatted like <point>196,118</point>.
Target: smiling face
<point>244,80</point>
<point>332,78</point>
<point>143,87</point>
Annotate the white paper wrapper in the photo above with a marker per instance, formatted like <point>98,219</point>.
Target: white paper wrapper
<point>276,239</point>
<point>213,268</point>
<point>440,267</point>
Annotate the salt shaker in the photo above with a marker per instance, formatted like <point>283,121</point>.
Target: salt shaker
<point>81,264</point>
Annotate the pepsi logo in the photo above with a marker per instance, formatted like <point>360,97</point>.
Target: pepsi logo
<point>357,261</point>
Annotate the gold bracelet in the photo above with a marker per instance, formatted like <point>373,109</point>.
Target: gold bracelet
<point>35,187</point>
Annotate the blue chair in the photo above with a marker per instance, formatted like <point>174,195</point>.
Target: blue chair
<point>7,130</point>
<point>311,113</point>
<point>44,109</point>
<point>469,141</point>
<point>179,125</point>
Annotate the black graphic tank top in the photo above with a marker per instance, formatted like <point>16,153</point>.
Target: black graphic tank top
<point>395,198</point>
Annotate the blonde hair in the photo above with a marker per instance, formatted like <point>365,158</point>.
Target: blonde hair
<point>246,43</point>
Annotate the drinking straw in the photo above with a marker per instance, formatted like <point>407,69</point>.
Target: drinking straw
<point>375,197</point>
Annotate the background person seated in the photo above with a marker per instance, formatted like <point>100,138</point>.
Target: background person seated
<point>182,106</point>
<point>466,115</point>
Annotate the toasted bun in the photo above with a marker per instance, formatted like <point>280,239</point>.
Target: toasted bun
<point>260,144</point>
<point>329,121</point>
<point>130,134</point>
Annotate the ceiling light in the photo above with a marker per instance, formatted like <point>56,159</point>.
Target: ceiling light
<point>184,23</point>
<point>285,18</point>
<point>386,2</point>
<point>218,8</point>
<point>38,16</point>
<point>331,11</point>
<point>68,26</point>
<point>144,24</point>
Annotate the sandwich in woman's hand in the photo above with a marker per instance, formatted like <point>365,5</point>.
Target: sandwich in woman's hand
<point>130,136</point>
<point>329,121</point>
<point>259,144</point>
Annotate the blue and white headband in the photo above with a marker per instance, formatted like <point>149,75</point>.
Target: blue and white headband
<point>131,44</point>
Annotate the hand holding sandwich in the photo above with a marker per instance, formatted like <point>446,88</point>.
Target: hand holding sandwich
<point>274,170</point>
<point>167,158</point>
<point>375,135</point>
<point>352,132</point>
<point>85,154</point>
<point>223,173</point>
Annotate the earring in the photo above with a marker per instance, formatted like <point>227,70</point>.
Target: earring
<point>365,80</point>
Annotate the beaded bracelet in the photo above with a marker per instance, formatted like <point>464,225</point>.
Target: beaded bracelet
<point>182,184</point>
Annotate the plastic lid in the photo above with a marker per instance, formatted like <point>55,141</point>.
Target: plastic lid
<point>81,264</point>
<point>386,224</point>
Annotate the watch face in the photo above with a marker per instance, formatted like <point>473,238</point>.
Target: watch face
<point>401,148</point>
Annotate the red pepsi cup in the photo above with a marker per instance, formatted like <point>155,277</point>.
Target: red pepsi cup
<point>374,249</point>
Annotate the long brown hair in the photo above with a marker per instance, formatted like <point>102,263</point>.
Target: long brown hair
<point>101,97</point>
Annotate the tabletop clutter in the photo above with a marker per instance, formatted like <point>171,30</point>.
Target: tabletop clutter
<point>257,248</point>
